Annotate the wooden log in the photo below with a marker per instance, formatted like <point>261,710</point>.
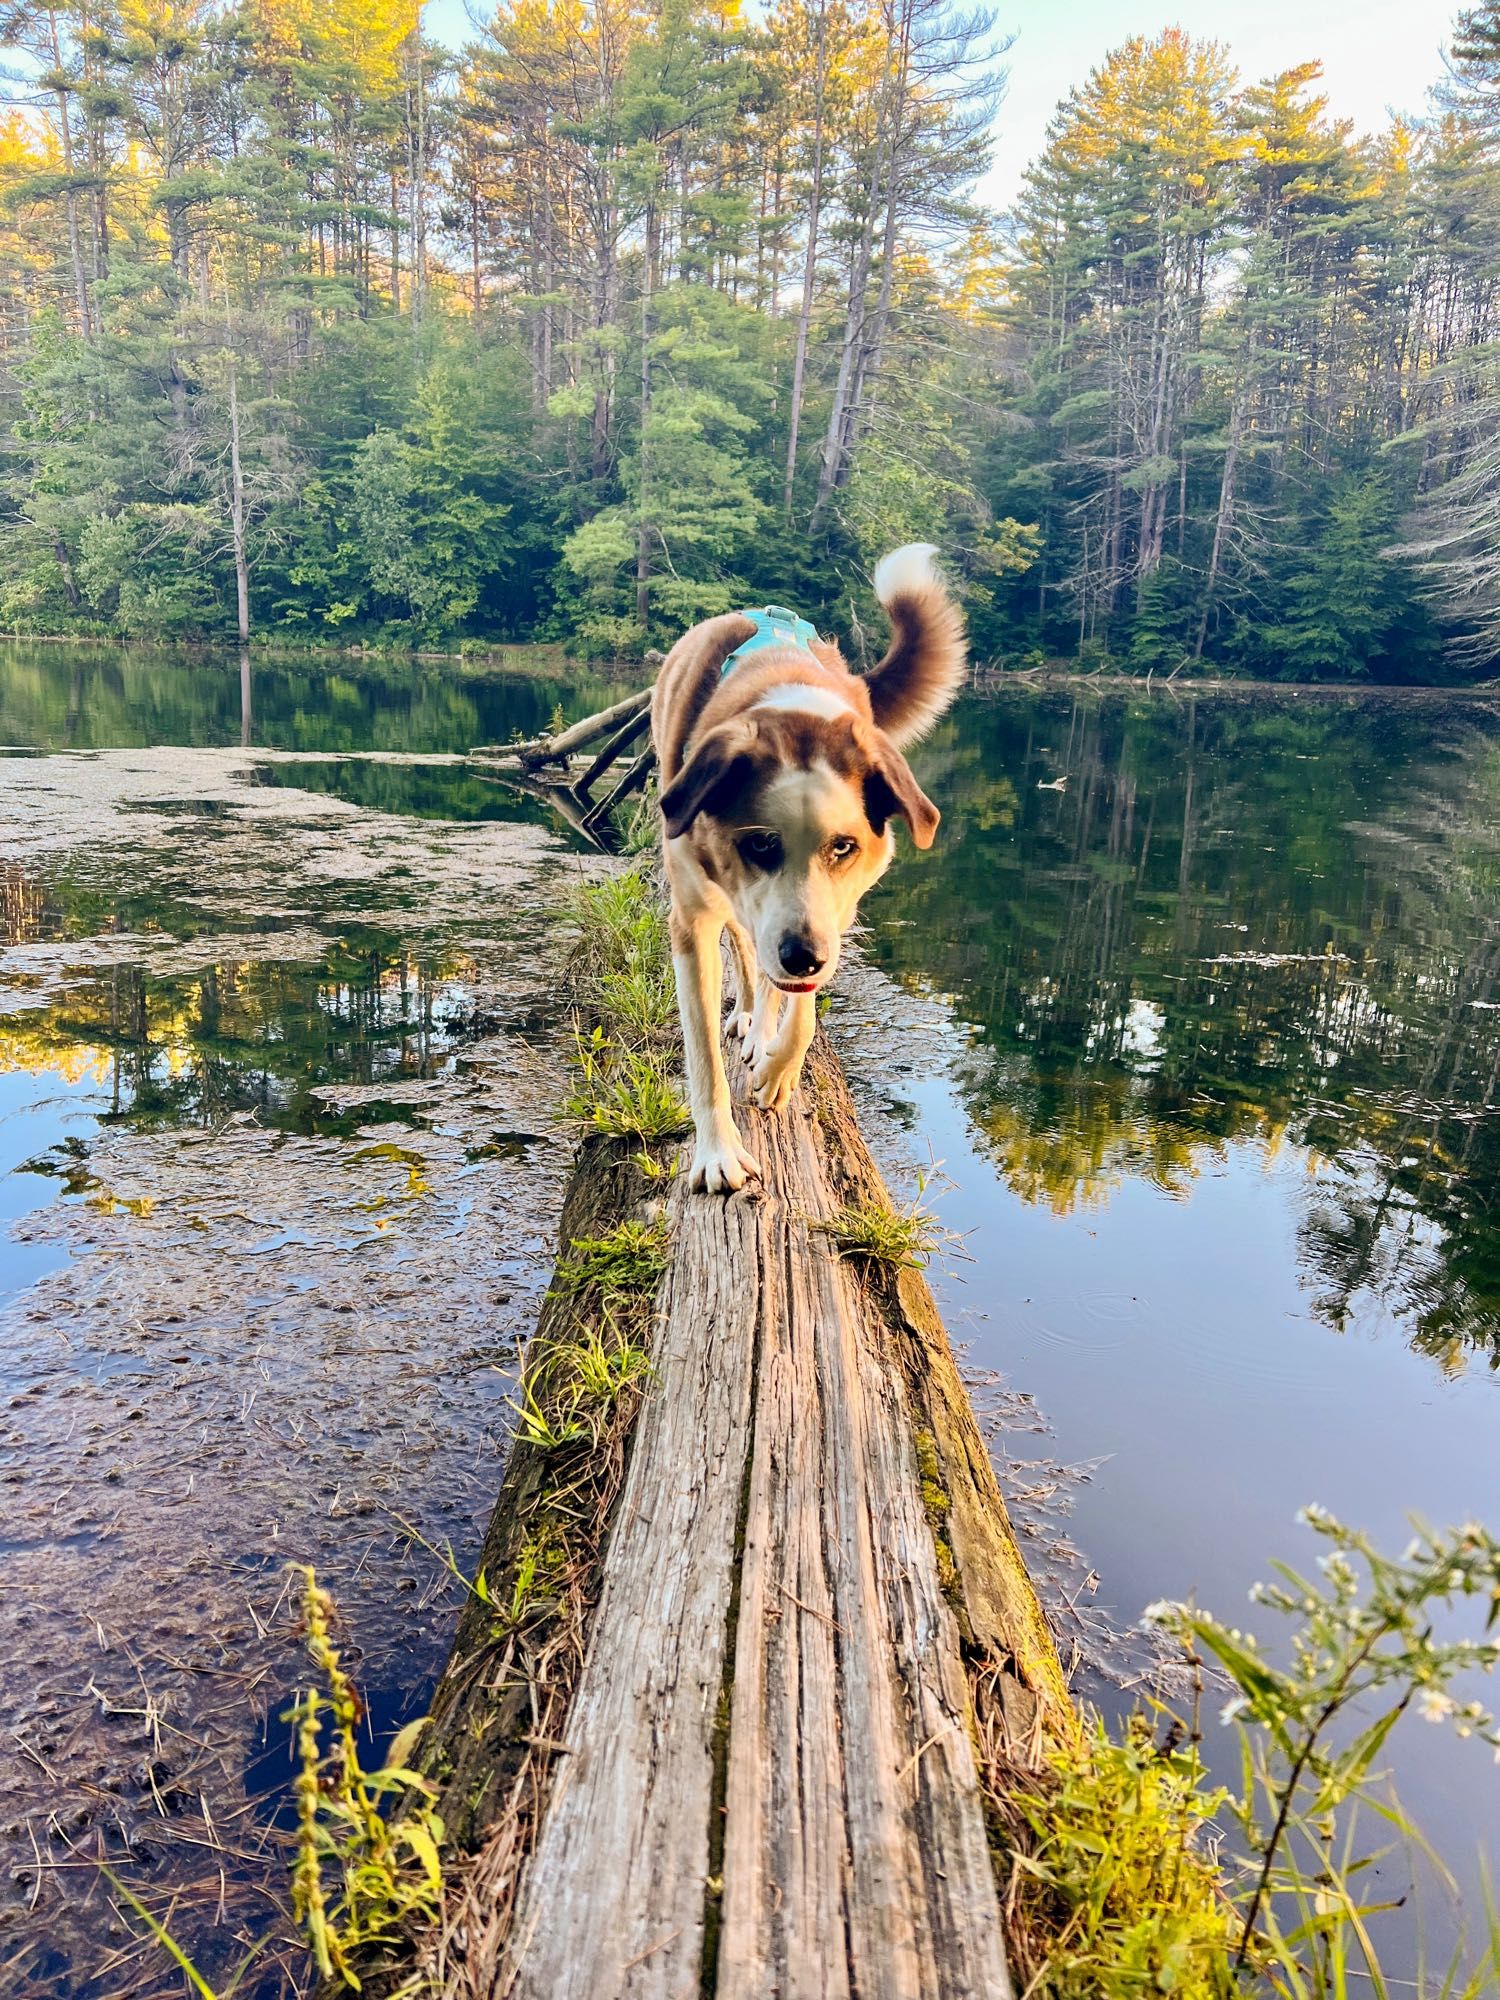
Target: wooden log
<point>618,743</point>
<point>597,822</point>
<point>578,736</point>
<point>813,1650</point>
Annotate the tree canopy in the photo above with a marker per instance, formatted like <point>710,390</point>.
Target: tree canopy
<point>635,310</point>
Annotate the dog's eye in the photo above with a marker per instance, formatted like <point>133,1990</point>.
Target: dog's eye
<point>841,847</point>
<point>761,850</point>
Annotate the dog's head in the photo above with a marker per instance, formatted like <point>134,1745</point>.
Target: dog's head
<point>790,814</point>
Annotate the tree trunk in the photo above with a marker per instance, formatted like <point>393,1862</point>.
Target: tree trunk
<point>416,143</point>
<point>836,439</point>
<point>65,564</point>
<point>237,508</point>
<point>643,527</point>
<point>474,248</point>
<point>75,240</point>
<point>395,244</point>
<point>1222,519</point>
<point>810,260</point>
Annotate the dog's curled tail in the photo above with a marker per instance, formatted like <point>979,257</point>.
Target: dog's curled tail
<point>924,668</point>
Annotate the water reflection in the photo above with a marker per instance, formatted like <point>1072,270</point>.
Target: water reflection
<point>420,791</point>
<point>76,698</point>
<point>255,1036</point>
<point>1268,919</point>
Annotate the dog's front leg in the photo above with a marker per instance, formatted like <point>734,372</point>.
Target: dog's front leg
<point>720,1161</point>
<point>761,1032</point>
<point>779,1070</point>
<point>742,961</point>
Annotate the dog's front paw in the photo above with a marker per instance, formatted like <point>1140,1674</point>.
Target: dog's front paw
<point>721,1163</point>
<point>755,1047</point>
<point>772,1081</point>
<point>739,1025</point>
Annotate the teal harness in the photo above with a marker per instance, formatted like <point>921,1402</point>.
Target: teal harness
<point>774,626</point>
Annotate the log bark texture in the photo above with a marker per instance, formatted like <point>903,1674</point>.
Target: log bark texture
<point>768,1781</point>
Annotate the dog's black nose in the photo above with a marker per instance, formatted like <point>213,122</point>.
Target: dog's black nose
<point>798,958</point>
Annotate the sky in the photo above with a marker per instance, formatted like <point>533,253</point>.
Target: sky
<point>1378,55</point>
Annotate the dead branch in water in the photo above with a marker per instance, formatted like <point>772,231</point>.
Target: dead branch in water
<point>571,792</point>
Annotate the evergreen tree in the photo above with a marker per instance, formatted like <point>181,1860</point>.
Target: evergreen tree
<point>634,311</point>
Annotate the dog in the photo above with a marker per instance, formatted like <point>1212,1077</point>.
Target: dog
<point>781,772</point>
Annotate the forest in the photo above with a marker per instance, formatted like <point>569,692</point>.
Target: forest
<point>317,332</point>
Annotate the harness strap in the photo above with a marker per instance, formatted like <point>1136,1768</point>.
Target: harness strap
<point>774,626</point>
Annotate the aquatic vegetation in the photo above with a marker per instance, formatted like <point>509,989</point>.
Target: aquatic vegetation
<point>621,967</point>
<point>571,1386</point>
<point>362,1875</point>
<point>169,1944</point>
<point>620,977</point>
<point>607,1363</point>
<point>1112,1892</point>
<point>1124,1878</point>
<point>418,1186</point>
<point>547,1426</point>
<point>541,1567</point>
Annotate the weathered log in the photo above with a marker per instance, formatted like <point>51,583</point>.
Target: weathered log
<point>578,736</point>
<point>520,766</point>
<point>751,1763</point>
<point>614,748</point>
<point>597,821</point>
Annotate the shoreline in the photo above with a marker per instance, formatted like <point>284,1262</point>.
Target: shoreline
<point>548,659</point>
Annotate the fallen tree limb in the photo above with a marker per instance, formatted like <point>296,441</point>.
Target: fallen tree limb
<point>588,729</point>
<point>752,1746</point>
<point>544,768</point>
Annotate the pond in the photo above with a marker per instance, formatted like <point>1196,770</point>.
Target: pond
<point>1196,1002</point>
<point>1213,1080</point>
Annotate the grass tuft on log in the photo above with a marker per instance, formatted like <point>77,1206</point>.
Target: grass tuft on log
<point>875,1232</point>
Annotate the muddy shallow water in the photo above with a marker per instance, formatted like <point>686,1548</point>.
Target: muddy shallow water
<point>1206,1038</point>
<point>277,1080</point>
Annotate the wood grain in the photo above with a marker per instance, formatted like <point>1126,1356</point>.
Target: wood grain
<point>769,1783</point>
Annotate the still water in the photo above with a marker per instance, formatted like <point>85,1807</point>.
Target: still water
<point>1201,1013</point>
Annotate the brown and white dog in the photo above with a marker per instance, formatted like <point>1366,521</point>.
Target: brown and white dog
<point>779,782</point>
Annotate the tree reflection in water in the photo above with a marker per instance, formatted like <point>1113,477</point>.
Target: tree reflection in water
<point>1267,918</point>
<point>259,1036</point>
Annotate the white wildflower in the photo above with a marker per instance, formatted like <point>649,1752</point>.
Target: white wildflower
<point>1435,1706</point>
<point>1163,1612</point>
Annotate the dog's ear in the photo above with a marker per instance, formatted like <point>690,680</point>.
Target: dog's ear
<point>717,773</point>
<point>890,789</point>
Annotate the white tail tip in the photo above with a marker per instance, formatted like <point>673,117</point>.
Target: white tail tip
<point>907,572</point>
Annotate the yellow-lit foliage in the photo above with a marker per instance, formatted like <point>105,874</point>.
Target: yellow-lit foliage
<point>364,36</point>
